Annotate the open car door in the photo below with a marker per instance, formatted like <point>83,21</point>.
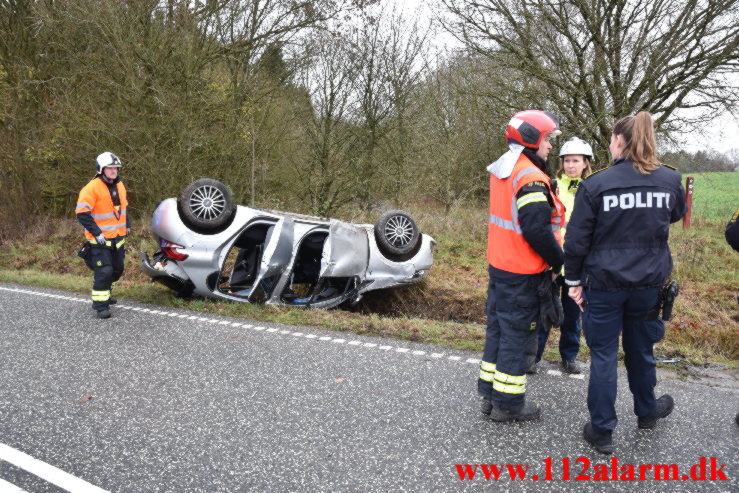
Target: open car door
<point>278,250</point>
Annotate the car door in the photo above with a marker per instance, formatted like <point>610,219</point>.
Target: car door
<point>345,252</point>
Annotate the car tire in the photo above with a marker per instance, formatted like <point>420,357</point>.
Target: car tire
<point>397,235</point>
<point>206,206</point>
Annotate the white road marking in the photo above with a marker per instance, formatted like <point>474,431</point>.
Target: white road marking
<point>417,352</point>
<point>10,487</point>
<point>47,472</point>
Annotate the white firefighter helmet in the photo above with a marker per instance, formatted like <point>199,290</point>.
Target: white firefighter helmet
<point>576,145</point>
<point>106,160</point>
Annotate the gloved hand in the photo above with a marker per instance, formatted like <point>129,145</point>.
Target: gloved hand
<point>101,239</point>
<point>128,231</point>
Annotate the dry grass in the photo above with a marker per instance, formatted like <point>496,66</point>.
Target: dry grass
<point>447,309</point>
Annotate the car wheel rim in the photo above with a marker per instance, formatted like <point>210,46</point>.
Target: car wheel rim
<point>399,231</point>
<point>207,202</point>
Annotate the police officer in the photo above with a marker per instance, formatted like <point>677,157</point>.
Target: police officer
<point>616,262</point>
<point>102,211</point>
<point>523,244</point>
<point>575,158</point>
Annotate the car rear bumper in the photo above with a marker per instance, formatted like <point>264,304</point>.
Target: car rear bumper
<point>166,272</point>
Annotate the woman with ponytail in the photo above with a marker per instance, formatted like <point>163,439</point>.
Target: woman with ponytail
<point>616,261</point>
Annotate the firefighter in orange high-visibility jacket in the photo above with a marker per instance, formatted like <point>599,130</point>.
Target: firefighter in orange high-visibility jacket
<point>102,211</point>
<point>524,252</point>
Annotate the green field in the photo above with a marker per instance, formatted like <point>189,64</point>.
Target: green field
<point>715,196</point>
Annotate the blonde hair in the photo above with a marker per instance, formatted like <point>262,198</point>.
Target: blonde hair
<point>640,145</point>
<point>587,170</point>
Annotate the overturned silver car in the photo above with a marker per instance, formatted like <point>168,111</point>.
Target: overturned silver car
<point>214,248</point>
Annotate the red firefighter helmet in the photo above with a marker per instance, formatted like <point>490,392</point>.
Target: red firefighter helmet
<point>529,127</point>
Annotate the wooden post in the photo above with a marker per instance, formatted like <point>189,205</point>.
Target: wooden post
<point>688,200</point>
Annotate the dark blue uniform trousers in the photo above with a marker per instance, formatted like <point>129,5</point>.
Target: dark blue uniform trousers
<point>107,266</point>
<point>513,317</point>
<point>607,315</point>
<point>569,333</point>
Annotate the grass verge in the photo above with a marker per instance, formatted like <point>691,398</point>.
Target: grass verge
<point>448,309</point>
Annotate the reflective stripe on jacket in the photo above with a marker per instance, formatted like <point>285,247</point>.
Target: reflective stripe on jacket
<point>507,248</point>
<point>95,198</point>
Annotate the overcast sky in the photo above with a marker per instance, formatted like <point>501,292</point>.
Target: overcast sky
<point>721,135</point>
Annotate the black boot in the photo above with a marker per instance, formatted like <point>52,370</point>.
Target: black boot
<point>104,313</point>
<point>528,412</point>
<point>571,367</point>
<point>664,407</point>
<point>486,406</point>
<point>112,301</point>
<point>603,443</point>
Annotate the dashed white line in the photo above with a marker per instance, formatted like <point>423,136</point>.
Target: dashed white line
<point>384,347</point>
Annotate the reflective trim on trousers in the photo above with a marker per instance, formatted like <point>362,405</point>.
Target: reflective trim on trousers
<point>514,379</point>
<point>508,389</point>
<point>100,295</point>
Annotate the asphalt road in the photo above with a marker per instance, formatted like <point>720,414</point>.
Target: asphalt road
<point>170,400</point>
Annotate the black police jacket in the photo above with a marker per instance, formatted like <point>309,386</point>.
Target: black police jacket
<point>617,234</point>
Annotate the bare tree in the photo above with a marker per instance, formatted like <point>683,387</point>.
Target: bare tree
<point>603,59</point>
<point>326,178</point>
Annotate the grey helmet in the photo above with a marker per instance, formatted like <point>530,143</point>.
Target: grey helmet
<point>106,160</point>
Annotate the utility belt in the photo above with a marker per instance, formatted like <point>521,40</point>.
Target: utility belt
<point>114,244</point>
<point>665,301</point>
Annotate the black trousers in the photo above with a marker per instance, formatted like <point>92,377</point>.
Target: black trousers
<point>106,263</point>
<point>513,313</point>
